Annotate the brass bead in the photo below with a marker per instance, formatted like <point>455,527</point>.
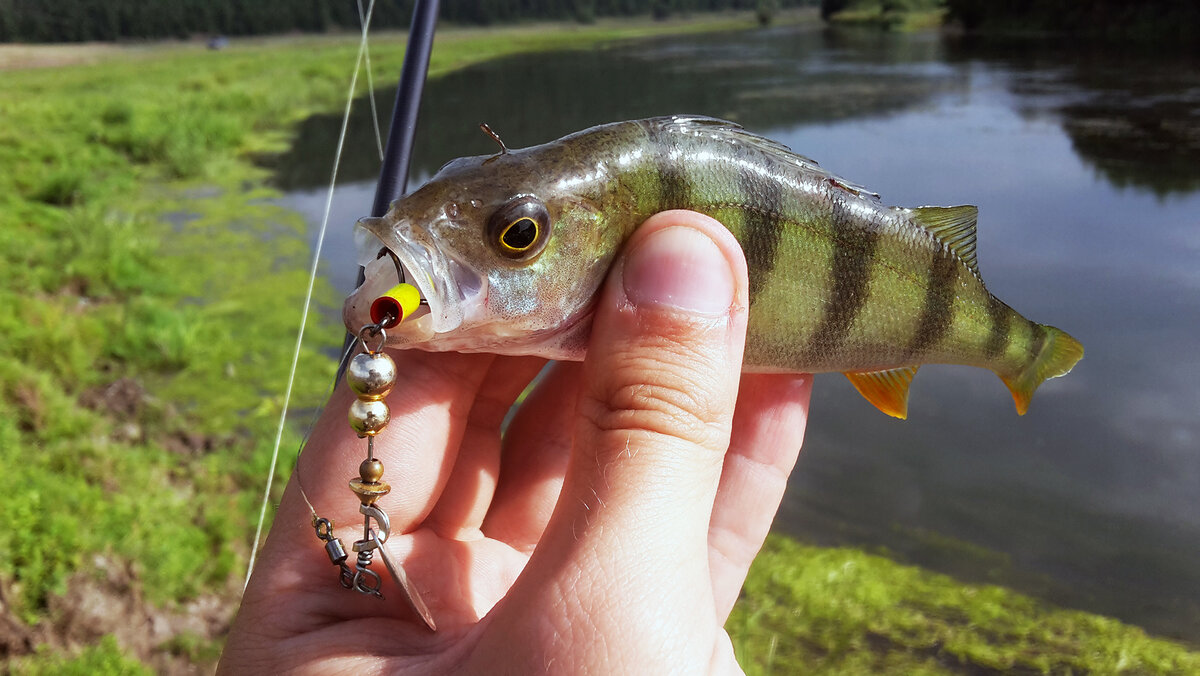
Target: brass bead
<point>371,471</point>
<point>367,418</point>
<point>371,376</point>
<point>369,492</point>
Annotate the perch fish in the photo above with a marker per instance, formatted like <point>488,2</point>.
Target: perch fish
<point>508,252</point>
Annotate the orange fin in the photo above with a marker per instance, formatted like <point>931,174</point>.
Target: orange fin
<point>887,390</point>
<point>1058,356</point>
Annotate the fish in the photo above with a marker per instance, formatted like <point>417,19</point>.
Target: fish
<point>509,252</point>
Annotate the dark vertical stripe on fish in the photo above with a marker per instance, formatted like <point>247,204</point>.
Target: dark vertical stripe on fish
<point>853,253</point>
<point>762,229</point>
<point>998,335</point>
<point>937,312</point>
<point>1042,335</point>
<point>673,188</point>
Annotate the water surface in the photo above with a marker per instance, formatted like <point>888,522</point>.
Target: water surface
<point>1085,164</point>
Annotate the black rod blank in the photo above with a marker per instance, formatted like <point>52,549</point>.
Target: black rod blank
<point>393,175</point>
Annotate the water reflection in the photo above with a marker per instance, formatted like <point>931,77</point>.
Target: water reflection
<point>772,81</point>
<point>1131,112</point>
<point>1088,221</point>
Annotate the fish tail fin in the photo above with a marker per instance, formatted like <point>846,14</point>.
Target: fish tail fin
<point>1057,357</point>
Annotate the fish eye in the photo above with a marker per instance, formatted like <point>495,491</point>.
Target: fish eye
<point>519,235</point>
<point>519,229</point>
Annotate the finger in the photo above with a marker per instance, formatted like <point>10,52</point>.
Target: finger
<point>537,447</point>
<point>655,412</point>
<point>468,493</point>
<point>768,429</point>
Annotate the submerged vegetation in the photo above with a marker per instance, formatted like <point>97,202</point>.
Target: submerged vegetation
<point>146,315</point>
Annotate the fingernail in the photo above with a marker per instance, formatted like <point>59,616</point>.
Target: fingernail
<point>681,268</point>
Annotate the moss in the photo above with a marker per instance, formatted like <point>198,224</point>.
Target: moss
<point>103,659</point>
<point>826,610</point>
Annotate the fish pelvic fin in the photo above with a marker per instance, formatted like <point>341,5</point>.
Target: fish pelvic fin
<point>1058,356</point>
<point>887,390</point>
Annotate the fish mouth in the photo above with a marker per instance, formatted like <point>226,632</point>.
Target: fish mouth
<point>448,288</point>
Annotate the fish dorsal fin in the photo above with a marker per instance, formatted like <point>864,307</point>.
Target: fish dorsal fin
<point>954,227</point>
<point>887,390</point>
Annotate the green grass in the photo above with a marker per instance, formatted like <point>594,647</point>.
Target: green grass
<point>898,15</point>
<point>820,610</point>
<point>147,305</point>
<point>103,659</point>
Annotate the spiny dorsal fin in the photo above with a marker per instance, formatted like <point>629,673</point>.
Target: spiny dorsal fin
<point>887,390</point>
<point>954,227</point>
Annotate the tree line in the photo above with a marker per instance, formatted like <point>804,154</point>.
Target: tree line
<point>1147,19</point>
<point>107,20</point>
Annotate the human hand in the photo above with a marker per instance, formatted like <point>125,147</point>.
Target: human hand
<point>609,531</point>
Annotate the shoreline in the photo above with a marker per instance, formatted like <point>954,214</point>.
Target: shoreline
<point>33,56</point>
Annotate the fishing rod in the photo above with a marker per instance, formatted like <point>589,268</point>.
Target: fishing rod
<point>393,175</point>
<point>402,131</point>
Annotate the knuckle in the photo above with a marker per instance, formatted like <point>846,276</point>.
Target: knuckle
<point>672,394</point>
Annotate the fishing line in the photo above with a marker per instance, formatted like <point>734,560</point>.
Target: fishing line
<point>312,423</point>
<point>312,278</point>
<point>362,20</point>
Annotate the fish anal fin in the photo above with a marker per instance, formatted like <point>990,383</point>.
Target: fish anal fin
<point>887,390</point>
<point>952,226</point>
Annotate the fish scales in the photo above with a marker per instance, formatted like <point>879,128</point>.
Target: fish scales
<point>838,281</point>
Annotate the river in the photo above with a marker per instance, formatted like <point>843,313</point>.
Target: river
<point>1084,161</point>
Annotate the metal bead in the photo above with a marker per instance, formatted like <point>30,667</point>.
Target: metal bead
<point>367,418</point>
<point>371,376</point>
<point>371,471</point>
<point>369,492</point>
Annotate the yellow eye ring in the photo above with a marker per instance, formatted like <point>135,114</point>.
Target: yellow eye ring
<point>519,229</point>
<point>520,235</point>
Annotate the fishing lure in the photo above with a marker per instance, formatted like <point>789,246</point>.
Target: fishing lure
<point>508,252</point>
<point>371,374</point>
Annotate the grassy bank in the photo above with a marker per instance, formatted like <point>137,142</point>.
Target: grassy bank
<point>900,15</point>
<point>146,311</point>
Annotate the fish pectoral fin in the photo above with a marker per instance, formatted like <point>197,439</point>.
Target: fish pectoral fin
<point>887,390</point>
<point>954,227</point>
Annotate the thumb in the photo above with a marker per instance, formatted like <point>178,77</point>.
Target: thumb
<point>661,379</point>
<point>626,551</point>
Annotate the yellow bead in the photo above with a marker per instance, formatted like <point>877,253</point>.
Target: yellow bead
<point>370,471</point>
<point>399,302</point>
<point>367,418</point>
<point>371,376</point>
